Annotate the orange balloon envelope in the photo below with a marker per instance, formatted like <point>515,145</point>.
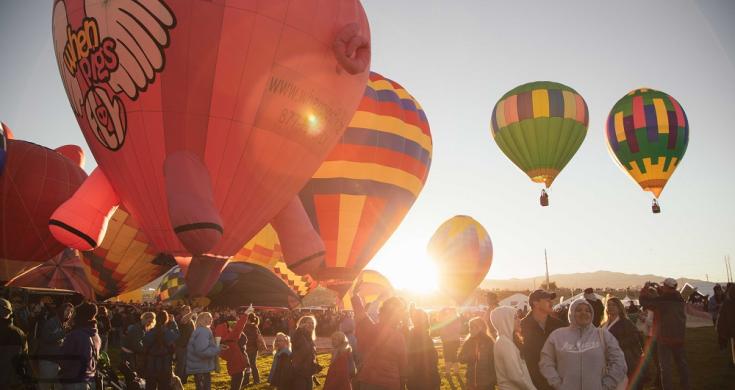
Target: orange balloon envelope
<point>369,181</point>
<point>374,288</point>
<point>205,117</point>
<point>33,183</point>
<point>125,260</point>
<point>463,252</point>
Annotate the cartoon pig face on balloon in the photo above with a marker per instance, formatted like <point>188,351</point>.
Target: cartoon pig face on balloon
<point>205,117</point>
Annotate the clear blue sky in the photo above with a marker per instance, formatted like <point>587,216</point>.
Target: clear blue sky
<point>457,58</point>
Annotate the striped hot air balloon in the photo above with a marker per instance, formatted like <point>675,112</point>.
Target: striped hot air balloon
<point>125,260</point>
<point>374,288</point>
<point>369,181</point>
<point>539,126</point>
<point>648,133</point>
<point>463,252</point>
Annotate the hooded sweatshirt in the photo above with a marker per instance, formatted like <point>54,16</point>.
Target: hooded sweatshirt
<point>81,349</point>
<point>573,357</point>
<point>510,369</point>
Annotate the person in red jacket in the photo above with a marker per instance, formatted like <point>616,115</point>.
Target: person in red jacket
<point>237,360</point>
<point>342,368</point>
<point>382,345</point>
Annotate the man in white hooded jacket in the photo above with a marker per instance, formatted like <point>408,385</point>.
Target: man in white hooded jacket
<point>510,369</point>
<point>577,357</point>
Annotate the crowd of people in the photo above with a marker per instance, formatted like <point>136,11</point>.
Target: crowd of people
<point>591,345</point>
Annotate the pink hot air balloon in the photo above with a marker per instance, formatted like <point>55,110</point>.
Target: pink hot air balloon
<point>205,117</point>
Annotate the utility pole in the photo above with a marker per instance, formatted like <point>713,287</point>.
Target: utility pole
<point>728,269</point>
<point>546,259</point>
<point>706,276</point>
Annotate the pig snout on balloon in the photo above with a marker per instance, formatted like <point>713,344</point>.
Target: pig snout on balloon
<point>302,247</point>
<point>191,208</point>
<point>352,49</point>
<point>201,273</point>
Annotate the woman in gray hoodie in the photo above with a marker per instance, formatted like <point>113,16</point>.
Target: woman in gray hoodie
<point>581,356</point>
<point>510,369</point>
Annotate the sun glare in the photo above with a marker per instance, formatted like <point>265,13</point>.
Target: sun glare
<point>417,276</point>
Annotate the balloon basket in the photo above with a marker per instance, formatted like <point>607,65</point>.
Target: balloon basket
<point>655,208</point>
<point>544,198</point>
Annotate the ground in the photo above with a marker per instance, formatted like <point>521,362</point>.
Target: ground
<point>708,365</point>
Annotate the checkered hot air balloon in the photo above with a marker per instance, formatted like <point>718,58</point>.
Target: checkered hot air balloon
<point>369,181</point>
<point>648,133</point>
<point>539,126</point>
<point>172,286</point>
<point>463,252</point>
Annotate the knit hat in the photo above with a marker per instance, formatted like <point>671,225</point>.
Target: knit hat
<point>85,312</point>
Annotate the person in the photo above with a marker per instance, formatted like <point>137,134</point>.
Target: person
<point>423,371</point>
<point>450,335</point>
<point>185,322</point>
<point>669,321</point>
<point>50,338</point>
<point>342,367</point>
<point>626,333</point>
<point>254,342</point>
<point>81,348</point>
<point>347,326</point>
<point>726,322</point>
<point>281,370</point>
<point>201,352</point>
<point>104,326</point>
<point>303,355</point>
<point>131,349</point>
<point>477,352</point>
<point>715,302</point>
<point>582,356</point>
<point>235,355</point>
<point>383,354</point>
<point>536,327</point>
<point>13,350</point>
<point>492,303</point>
<point>597,306</point>
<point>159,345</point>
<point>510,369</point>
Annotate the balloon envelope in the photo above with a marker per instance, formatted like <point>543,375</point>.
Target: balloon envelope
<point>374,288</point>
<point>189,108</point>
<point>63,271</point>
<point>463,252</point>
<point>648,133</point>
<point>369,181</point>
<point>539,126</point>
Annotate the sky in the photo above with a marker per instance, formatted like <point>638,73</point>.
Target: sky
<point>457,58</point>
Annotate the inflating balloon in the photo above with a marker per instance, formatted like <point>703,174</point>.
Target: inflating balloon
<point>172,286</point>
<point>372,286</point>
<point>63,271</point>
<point>648,133</point>
<point>34,181</point>
<point>369,181</point>
<point>539,126</point>
<point>205,117</point>
<point>463,252</point>
<point>125,260</point>
<point>5,135</point>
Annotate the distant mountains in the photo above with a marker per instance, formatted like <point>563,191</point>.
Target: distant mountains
<point>598,279</point>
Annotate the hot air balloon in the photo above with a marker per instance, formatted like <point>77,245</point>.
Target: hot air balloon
<point>205,118</point>
<point>648,133</point>
<point>539,126</point>
<point>5,135</point>
<point>463,252</point>
<point>34,181</point>
<point>369,181</point>
<point>172,286</point>
<point>373,286</point>
<point>63,271</point>
<point>125,260</point>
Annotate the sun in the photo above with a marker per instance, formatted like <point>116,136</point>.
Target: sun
<point>416,275</point>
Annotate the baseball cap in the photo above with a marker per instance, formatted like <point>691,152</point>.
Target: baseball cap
<point>5,308</point>
<point>670,282</point>
<point>540,294</point>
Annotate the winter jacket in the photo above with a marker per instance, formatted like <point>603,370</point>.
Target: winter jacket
<point>573,357</point>
<point>534,338</point>
<point>133,339</point>
<point>341,371</point>
<point>303,355</point>
<point>80,352</point>
<point>382,350</point>
<point>726,320</point>
<point>13,353</point>
<point>50,338</point>
<point>186,328</point>
<point>477,353</point>
<point>669,317</point>
<point>598,310</point>
<point>510,369</point>
<point>235,357</point>
<point>423,372</point>
<point>201,351</point>
<point>630,342</point>
<point>253,334</point>
<point>281,370</point>
<point>158,347</point>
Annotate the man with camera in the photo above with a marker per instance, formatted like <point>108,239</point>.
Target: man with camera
<point>669,321</point>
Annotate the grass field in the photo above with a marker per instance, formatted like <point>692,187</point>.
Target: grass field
<point>709,368</point>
